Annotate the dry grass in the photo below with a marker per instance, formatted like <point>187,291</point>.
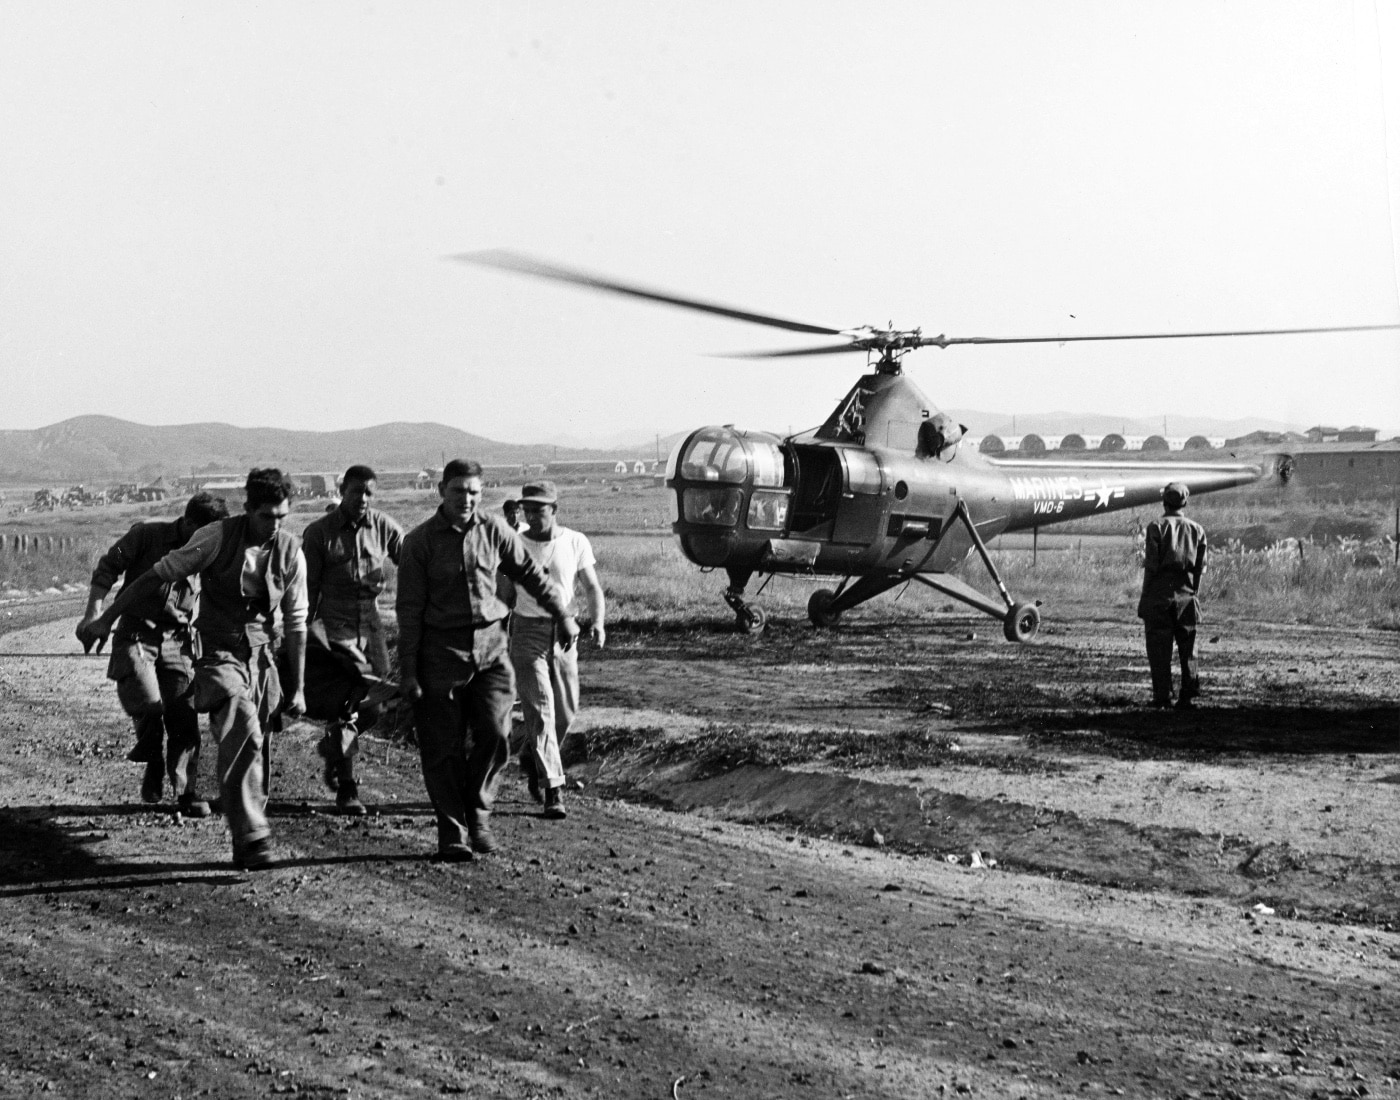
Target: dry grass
<point>648,580</point>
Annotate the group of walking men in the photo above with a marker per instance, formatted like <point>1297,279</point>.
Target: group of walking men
<point>236,617</point>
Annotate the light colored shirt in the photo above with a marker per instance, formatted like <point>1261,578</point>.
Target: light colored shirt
<point>560,558</point>
<point>200,553</point>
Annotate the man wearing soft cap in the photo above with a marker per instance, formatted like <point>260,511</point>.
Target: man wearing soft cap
<point>1174,559</point>
<point>546,671</point>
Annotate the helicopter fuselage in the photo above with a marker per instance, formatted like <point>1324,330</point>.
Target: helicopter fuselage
<point>754,502</point>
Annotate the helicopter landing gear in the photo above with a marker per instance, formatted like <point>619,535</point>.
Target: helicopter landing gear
<point>1022,622</point>
<point>749,618</point>
<point>826,607</point>
<point>819,609</point>
<point>752,620</point>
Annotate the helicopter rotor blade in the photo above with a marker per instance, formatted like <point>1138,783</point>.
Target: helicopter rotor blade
<point>505,260</point>
<point>948,341</point>
<point>826,349</point>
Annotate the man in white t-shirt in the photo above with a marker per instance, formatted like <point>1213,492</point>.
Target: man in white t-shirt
<point>546,673</point>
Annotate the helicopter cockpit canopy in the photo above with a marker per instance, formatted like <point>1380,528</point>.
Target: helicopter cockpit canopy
<point>730,456</point>
<point>715,465</point>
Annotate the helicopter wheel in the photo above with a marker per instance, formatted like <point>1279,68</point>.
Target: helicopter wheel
<point>819,609</point>
<point>751,620</point>
<point>1022,622</point>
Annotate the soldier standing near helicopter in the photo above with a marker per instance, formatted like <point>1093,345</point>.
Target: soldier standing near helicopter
<point>1174,559</point>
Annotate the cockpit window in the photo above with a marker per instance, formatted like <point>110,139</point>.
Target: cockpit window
<point>715,454</point>
<point>767,462</point>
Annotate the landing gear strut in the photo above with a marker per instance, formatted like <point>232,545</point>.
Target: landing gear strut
<point>1020,622</point>
<point>749,618</point>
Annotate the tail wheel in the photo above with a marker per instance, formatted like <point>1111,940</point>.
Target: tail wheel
<point>751,620</point>
<point>1022,622</point>
<point>819,609</point>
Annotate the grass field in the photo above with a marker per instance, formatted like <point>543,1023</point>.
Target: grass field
<point>1326,580</point>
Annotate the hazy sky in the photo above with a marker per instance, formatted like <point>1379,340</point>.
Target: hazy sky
<point>239,211</point>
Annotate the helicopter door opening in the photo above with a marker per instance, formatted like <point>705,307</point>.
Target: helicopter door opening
<point>860,516</point>
<point>817,483</point>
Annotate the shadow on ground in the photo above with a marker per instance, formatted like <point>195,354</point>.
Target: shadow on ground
<point>1021,837</point>
<point>44,849</point>
<point>1222,731</point>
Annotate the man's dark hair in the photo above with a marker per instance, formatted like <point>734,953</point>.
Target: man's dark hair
<point>460,467</point>
<point>205,508</point>
<point>358,473</point>
<point>267,486</point>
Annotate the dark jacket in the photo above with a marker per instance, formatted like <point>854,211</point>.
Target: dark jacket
<point>1173,560</point>
<point>168,609</point>
<point>447,580</point>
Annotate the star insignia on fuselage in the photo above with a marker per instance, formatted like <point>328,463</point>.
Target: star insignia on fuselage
<point>1105,492</point>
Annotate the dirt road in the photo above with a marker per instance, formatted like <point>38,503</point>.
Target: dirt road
<point>826,950</point>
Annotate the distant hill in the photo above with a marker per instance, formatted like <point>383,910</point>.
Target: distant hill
<point>101,449</point>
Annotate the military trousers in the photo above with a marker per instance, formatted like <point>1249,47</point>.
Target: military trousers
<point>463,725</point>
<point>153,674</point>
<point>546,677</point>
<point>354,653</point>
<point>237,685</point>
<point>1171,621</point>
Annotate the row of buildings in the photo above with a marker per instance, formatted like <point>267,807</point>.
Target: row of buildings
<point>1033,444</point>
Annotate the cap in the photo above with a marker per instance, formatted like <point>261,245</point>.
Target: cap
<point>1175,494</point>
<point>539,492</point>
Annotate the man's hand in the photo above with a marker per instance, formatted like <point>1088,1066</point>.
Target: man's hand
<point>294,706</point>
<point>568,632</point>
<point>599,635</point>
<point>93,630</point>
<point>410,689</point>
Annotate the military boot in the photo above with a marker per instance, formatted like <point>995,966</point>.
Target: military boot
<point>347,795</point>
<point>153,782</point>
<point>329,752</point>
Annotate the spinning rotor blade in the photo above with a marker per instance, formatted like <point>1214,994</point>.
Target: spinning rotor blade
<point>525,265</point>
<point>906,340</point>
<point>947,341</point>
<point>826,349</point>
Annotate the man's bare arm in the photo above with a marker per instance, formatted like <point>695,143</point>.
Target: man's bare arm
<point>597,604</point>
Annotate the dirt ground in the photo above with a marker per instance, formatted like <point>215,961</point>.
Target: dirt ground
<point>1167,905</point>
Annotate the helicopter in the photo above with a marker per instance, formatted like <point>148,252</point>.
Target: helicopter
<point>884,492</point>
